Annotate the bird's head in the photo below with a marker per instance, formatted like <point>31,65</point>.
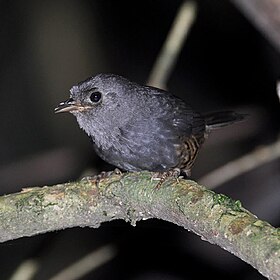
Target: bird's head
<point>102,100</point>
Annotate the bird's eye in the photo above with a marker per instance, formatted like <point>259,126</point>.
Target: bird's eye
<point>95,97</point>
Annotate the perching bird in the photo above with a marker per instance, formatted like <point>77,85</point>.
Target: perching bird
<point>137,127</point>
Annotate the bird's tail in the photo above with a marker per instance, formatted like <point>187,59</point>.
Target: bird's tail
<point>216,120</point>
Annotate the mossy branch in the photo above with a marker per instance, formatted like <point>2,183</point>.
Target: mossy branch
<point>135,196</point>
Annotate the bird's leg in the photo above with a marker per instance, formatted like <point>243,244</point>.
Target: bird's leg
<point>104,174</point>
<point>163,176</point>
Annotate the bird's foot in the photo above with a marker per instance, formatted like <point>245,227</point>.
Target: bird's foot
<point>163,176</point>
<point>103,175</point>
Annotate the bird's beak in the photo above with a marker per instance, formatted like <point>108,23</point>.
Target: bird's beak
<point>68,106</point>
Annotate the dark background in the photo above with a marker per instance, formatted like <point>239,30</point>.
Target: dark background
<point>47,46</point>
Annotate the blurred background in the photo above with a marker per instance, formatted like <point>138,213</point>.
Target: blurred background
<point>230,60</point>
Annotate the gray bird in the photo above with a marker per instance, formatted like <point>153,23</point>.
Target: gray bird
<point>137,127</point>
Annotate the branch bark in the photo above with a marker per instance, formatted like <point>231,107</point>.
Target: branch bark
<point>135,196</point>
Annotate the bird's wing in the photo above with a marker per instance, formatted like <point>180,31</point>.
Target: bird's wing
<point>151,143</point>
<point>177,113</point>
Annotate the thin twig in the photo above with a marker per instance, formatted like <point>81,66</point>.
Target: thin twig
<point>87,264</point>
<point>26,270</point>
<point>241,165</point>
<point>278,89</point>
<point>264,14</point>
<point>172,46</point>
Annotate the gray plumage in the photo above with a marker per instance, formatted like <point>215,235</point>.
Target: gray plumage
<point>136,127</point>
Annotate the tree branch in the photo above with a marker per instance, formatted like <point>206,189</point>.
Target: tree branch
<point>135,196</point>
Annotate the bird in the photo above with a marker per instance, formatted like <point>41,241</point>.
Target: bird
<point>138,127</point>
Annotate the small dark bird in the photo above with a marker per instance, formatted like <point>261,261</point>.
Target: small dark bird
<point>137,127</point>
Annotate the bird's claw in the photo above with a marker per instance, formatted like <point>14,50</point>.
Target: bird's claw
<point>163,176</point>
